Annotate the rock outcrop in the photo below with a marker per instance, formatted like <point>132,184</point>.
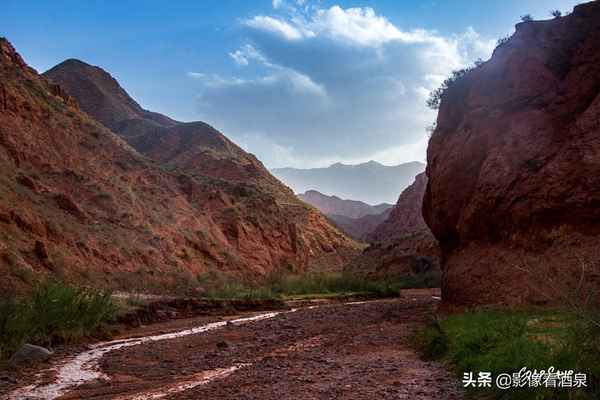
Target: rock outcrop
<point>514,166</point>
<point>79,203</point>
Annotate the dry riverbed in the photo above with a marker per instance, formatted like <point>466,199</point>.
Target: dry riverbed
<point>357,350</point>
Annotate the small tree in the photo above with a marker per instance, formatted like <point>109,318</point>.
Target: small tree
<point>526,18</point>
<point>556,13</point>
<point>435,97</point>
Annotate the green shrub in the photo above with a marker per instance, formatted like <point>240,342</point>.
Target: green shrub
<point>53,313</point>
<point>436,96</point>
<point>432,341</point>
<point>506,341</point>
<point>281,284</point>
<point>242,292</point>
<point>581,349</point>
<point>502,40</point>
<point>526,18</point>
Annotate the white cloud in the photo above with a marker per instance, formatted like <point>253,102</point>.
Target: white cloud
<point>359,26</point>
<point>215,80</point>
<point>277,26</point>
<point>334,84</point>
<point>239,57</point>
<point>399,154</point>
<point>248,53</point>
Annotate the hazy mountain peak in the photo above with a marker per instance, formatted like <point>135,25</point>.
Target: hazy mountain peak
<point>372,163</point>
<point>369,182</point>
<point>333,205</point>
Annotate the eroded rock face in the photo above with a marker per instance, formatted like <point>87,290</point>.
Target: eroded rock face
<point>77,202</point>
<point>514,166</point>
<point>406,216</point>
<point>402,244</point>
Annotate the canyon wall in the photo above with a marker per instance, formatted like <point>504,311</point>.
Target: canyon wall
<point>514,167</point>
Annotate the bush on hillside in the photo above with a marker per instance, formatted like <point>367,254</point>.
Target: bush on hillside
<point>436,96</point>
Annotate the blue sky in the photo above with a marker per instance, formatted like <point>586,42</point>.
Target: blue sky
<point>299,83</point>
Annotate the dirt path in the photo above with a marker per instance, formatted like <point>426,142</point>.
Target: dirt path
<point>338,351</point>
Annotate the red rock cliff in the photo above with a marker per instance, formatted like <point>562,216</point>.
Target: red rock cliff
<point>514,165</point>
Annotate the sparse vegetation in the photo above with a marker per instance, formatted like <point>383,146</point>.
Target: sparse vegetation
<point>436,96</point>
<point>556,13</point>
<point>52,313</point>
<point>502,40</point>
<point>506,341</point>
<point>431,128</point>
<point>288,285</point>
<point>566,338</point>
<point>526,18</point>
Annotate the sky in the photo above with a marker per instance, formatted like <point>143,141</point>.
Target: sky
<point>299,83</point>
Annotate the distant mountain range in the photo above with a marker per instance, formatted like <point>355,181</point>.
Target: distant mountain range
<point>370,182</point>
<point>333,205</point>
<point>356,218</point>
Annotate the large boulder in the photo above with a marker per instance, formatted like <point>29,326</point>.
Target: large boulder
<point>29,353</point>
<point>514,167</point>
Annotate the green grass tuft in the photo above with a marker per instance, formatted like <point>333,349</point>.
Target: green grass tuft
<point>286,285</point>
<point>53,313</point>
<point>506,341</point>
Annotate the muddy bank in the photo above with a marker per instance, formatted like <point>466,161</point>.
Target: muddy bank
<point>348,351</point>
<point>160,310</point>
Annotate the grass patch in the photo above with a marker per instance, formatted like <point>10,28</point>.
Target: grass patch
<point>312,285</point>
<point>52,313</point>
<point>506,341</point>
<point>239,291</point>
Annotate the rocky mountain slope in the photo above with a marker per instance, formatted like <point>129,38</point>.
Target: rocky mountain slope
<point>359,228</point>
<point>77,202</point>
<point>194,146</point>
<point>371,182</point>
<point>402,243</point>
<point>406,217</point>
<point>514,167</point>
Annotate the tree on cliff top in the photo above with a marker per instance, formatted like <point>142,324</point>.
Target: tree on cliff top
<point>435,97</point>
